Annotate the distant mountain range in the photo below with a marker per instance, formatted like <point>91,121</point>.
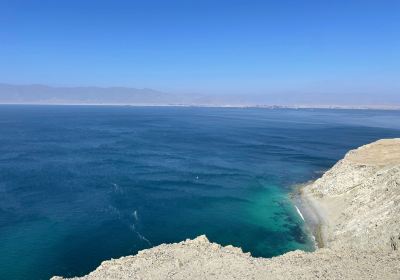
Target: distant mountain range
<point>42,94</point>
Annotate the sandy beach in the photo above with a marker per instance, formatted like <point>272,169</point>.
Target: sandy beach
<point>313,214</point>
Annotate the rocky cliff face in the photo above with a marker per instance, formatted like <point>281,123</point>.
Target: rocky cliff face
<point>358,202</point>
<point>361,197</point>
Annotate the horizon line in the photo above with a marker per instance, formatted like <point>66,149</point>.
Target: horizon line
<point>261,106</point>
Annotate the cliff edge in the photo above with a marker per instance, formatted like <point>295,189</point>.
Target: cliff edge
<point>356,205</point>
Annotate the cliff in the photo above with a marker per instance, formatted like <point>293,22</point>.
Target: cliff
<point>355,205</point>
<point>359,198</point>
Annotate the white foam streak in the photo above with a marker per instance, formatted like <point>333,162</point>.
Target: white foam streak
<point>298,211</point>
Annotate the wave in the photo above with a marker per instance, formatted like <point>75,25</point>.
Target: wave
<point>141,236</point>
<point>133,228</point>
<point>298,211</point>
<point>135,215</point>
<point>117,188</point>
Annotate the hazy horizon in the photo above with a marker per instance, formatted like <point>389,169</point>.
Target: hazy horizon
<point>337,53</point>
<point>44,94</point>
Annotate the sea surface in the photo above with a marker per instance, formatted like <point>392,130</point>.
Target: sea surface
<point>83,184</point>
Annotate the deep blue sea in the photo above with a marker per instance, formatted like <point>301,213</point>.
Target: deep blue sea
<point>82,184</point>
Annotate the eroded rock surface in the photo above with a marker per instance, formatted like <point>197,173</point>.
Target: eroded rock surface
<point>360,197</point>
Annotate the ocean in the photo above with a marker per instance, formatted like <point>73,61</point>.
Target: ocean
<point>83,184</point>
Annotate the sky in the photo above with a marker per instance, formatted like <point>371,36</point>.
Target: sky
<point>206,46</point>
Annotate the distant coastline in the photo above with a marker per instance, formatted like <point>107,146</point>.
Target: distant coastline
<point>37,94</point>
<point>270,107</point>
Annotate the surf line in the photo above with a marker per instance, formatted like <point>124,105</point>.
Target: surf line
<point>298,211</point>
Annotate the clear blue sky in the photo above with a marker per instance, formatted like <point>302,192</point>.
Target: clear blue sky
<point>203,46</point>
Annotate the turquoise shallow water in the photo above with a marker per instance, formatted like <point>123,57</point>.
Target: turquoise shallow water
<point>79,184</point>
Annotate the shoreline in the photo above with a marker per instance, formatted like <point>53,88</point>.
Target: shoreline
<point>315,216</point>
<point>312,213</point>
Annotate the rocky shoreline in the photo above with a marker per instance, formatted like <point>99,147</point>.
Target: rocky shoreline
<point>353,210</point>
<point>358,200</point>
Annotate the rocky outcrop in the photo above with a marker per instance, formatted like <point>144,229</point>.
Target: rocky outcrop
<point>357,204</point>
<point>360,197</point>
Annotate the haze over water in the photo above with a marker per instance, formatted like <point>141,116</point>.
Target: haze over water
<point>82,184</point>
